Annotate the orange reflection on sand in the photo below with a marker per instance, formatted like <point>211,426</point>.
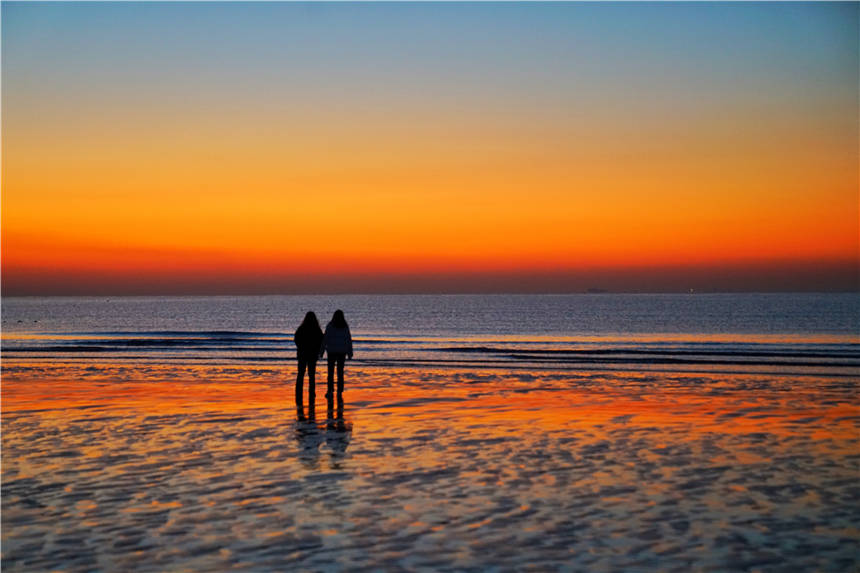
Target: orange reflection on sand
<point>428,452</point>
<point>499,402</point>
<point>57,398</point>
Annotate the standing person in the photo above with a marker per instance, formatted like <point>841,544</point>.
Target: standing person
<point>308,340</point>
<point>337,341</point>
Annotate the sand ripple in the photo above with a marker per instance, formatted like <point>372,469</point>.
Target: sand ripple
<point>433,471</point>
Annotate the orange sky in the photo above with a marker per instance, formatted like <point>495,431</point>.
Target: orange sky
<point>179,180</point>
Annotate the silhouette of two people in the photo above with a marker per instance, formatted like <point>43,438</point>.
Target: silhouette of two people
<point>312,343</point>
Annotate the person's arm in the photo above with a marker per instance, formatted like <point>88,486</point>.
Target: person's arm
<point>322,344</point>
<point>349,343</point>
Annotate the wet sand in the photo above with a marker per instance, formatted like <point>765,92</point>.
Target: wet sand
<point>117,468</point>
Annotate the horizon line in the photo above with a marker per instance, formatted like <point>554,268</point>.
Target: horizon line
<point>595,292</point>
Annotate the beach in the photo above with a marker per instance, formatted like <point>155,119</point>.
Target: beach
<point>595,267</point>
<point>211,467</point>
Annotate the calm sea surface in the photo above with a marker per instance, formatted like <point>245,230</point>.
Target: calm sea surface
<point>746,332</point>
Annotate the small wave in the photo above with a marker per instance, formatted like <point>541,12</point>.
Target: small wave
<point>595,352</point>
<point>740,360</point>
<point>249,347</point>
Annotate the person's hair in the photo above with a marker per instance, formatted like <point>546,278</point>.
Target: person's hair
<point>311,319</point>
<point>338,319</point>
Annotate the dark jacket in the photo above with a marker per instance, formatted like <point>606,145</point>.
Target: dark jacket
<point>336,340</point>
<point>308,339</point>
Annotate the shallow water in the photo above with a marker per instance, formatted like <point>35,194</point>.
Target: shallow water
<point>212,468</point>
<point>731,333</point>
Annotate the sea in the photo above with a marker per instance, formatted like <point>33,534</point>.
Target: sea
<point>789,333</point>
<point>589,432</point>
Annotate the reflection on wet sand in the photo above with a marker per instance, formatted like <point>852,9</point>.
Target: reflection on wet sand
<point>309,438</point>
<point>337,431</point>
<point>206,469</point>
<point>334,432</point>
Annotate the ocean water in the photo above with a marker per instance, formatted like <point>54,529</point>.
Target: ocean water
<point>737,332</point>
<point>501,433</point>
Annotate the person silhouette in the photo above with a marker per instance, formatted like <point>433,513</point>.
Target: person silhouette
<point>308,339</point>
<point>337,341</point>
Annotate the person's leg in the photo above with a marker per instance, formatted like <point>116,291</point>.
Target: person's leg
<point>340,361</point>
<point>330,392</point>
<point>312,382</point>
<point>300,377</point>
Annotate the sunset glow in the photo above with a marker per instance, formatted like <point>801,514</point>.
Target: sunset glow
<point>581,409</point>
<point>370,147</point>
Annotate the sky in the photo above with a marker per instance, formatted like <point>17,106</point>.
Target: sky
<point>264,148</point>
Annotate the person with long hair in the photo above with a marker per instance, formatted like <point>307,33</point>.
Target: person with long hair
<point>308,340</point>
<point>337,341</point>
